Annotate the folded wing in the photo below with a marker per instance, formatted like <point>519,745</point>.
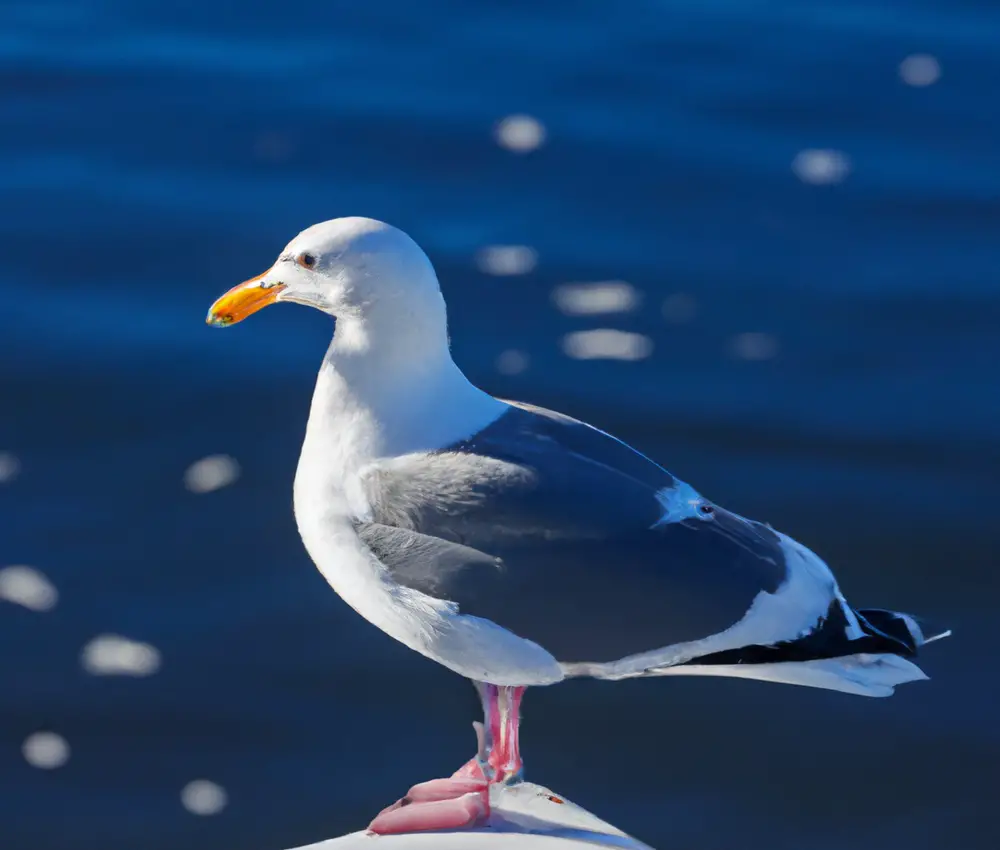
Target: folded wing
<point>567,537</point>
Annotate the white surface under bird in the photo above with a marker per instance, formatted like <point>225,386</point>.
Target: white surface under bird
<point>518,546</point>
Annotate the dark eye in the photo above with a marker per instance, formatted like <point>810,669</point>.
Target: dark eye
<point>307,260</point>
<point>706,511</point>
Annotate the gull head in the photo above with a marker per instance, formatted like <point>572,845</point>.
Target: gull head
<point>351,268</point>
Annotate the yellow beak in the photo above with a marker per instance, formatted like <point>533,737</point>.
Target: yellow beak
<point>243,300</point>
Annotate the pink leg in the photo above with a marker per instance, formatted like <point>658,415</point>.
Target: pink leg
<point>505,719</point>
<point>463,800</point>
<point>512,766</point>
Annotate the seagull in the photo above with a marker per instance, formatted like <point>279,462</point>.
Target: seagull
<point>518,546</point>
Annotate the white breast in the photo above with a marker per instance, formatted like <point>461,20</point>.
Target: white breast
<point>342,440</point>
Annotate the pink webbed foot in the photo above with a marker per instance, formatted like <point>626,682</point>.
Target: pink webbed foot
<point>463,801</point>
<point>456,803</point>
<point>437,804</point>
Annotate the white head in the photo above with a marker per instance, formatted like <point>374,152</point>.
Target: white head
<point>389,354</point>
<point>371,276</point>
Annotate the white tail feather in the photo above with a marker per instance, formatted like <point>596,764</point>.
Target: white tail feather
<point>863,674</point>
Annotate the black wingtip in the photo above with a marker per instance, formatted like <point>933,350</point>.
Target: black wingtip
<point>912,631</point>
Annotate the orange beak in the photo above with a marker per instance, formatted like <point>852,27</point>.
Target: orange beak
<point>243,300</point>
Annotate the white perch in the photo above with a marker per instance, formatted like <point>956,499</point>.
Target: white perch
<point>524,817</point>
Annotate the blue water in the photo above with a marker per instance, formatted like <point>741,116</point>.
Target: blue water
<point>153,154</point>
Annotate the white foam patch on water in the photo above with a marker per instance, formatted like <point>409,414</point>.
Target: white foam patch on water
<point>202,797</point>
<point>512,362</point>
<point>607,344</point>
<point>28,587</point>
<point>821,167</point>
<point>507,260</point>
<point>920,70</point>
<point>591,299</point>
<point>679,308</point>
<point>114,655</point>
<point>45,750</point>
<point>10,466</point>
<point>520,133</point>
<point>755,346</point>
<point>211,473</point>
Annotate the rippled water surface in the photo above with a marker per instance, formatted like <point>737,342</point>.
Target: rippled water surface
<point>758,241</point>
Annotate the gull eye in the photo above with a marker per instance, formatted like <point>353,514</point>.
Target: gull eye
<point>306,260</point>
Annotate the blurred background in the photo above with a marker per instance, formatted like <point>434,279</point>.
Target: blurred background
<point>757,240</point>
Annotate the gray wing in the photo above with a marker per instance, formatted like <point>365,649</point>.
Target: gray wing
<point>569,538</point>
